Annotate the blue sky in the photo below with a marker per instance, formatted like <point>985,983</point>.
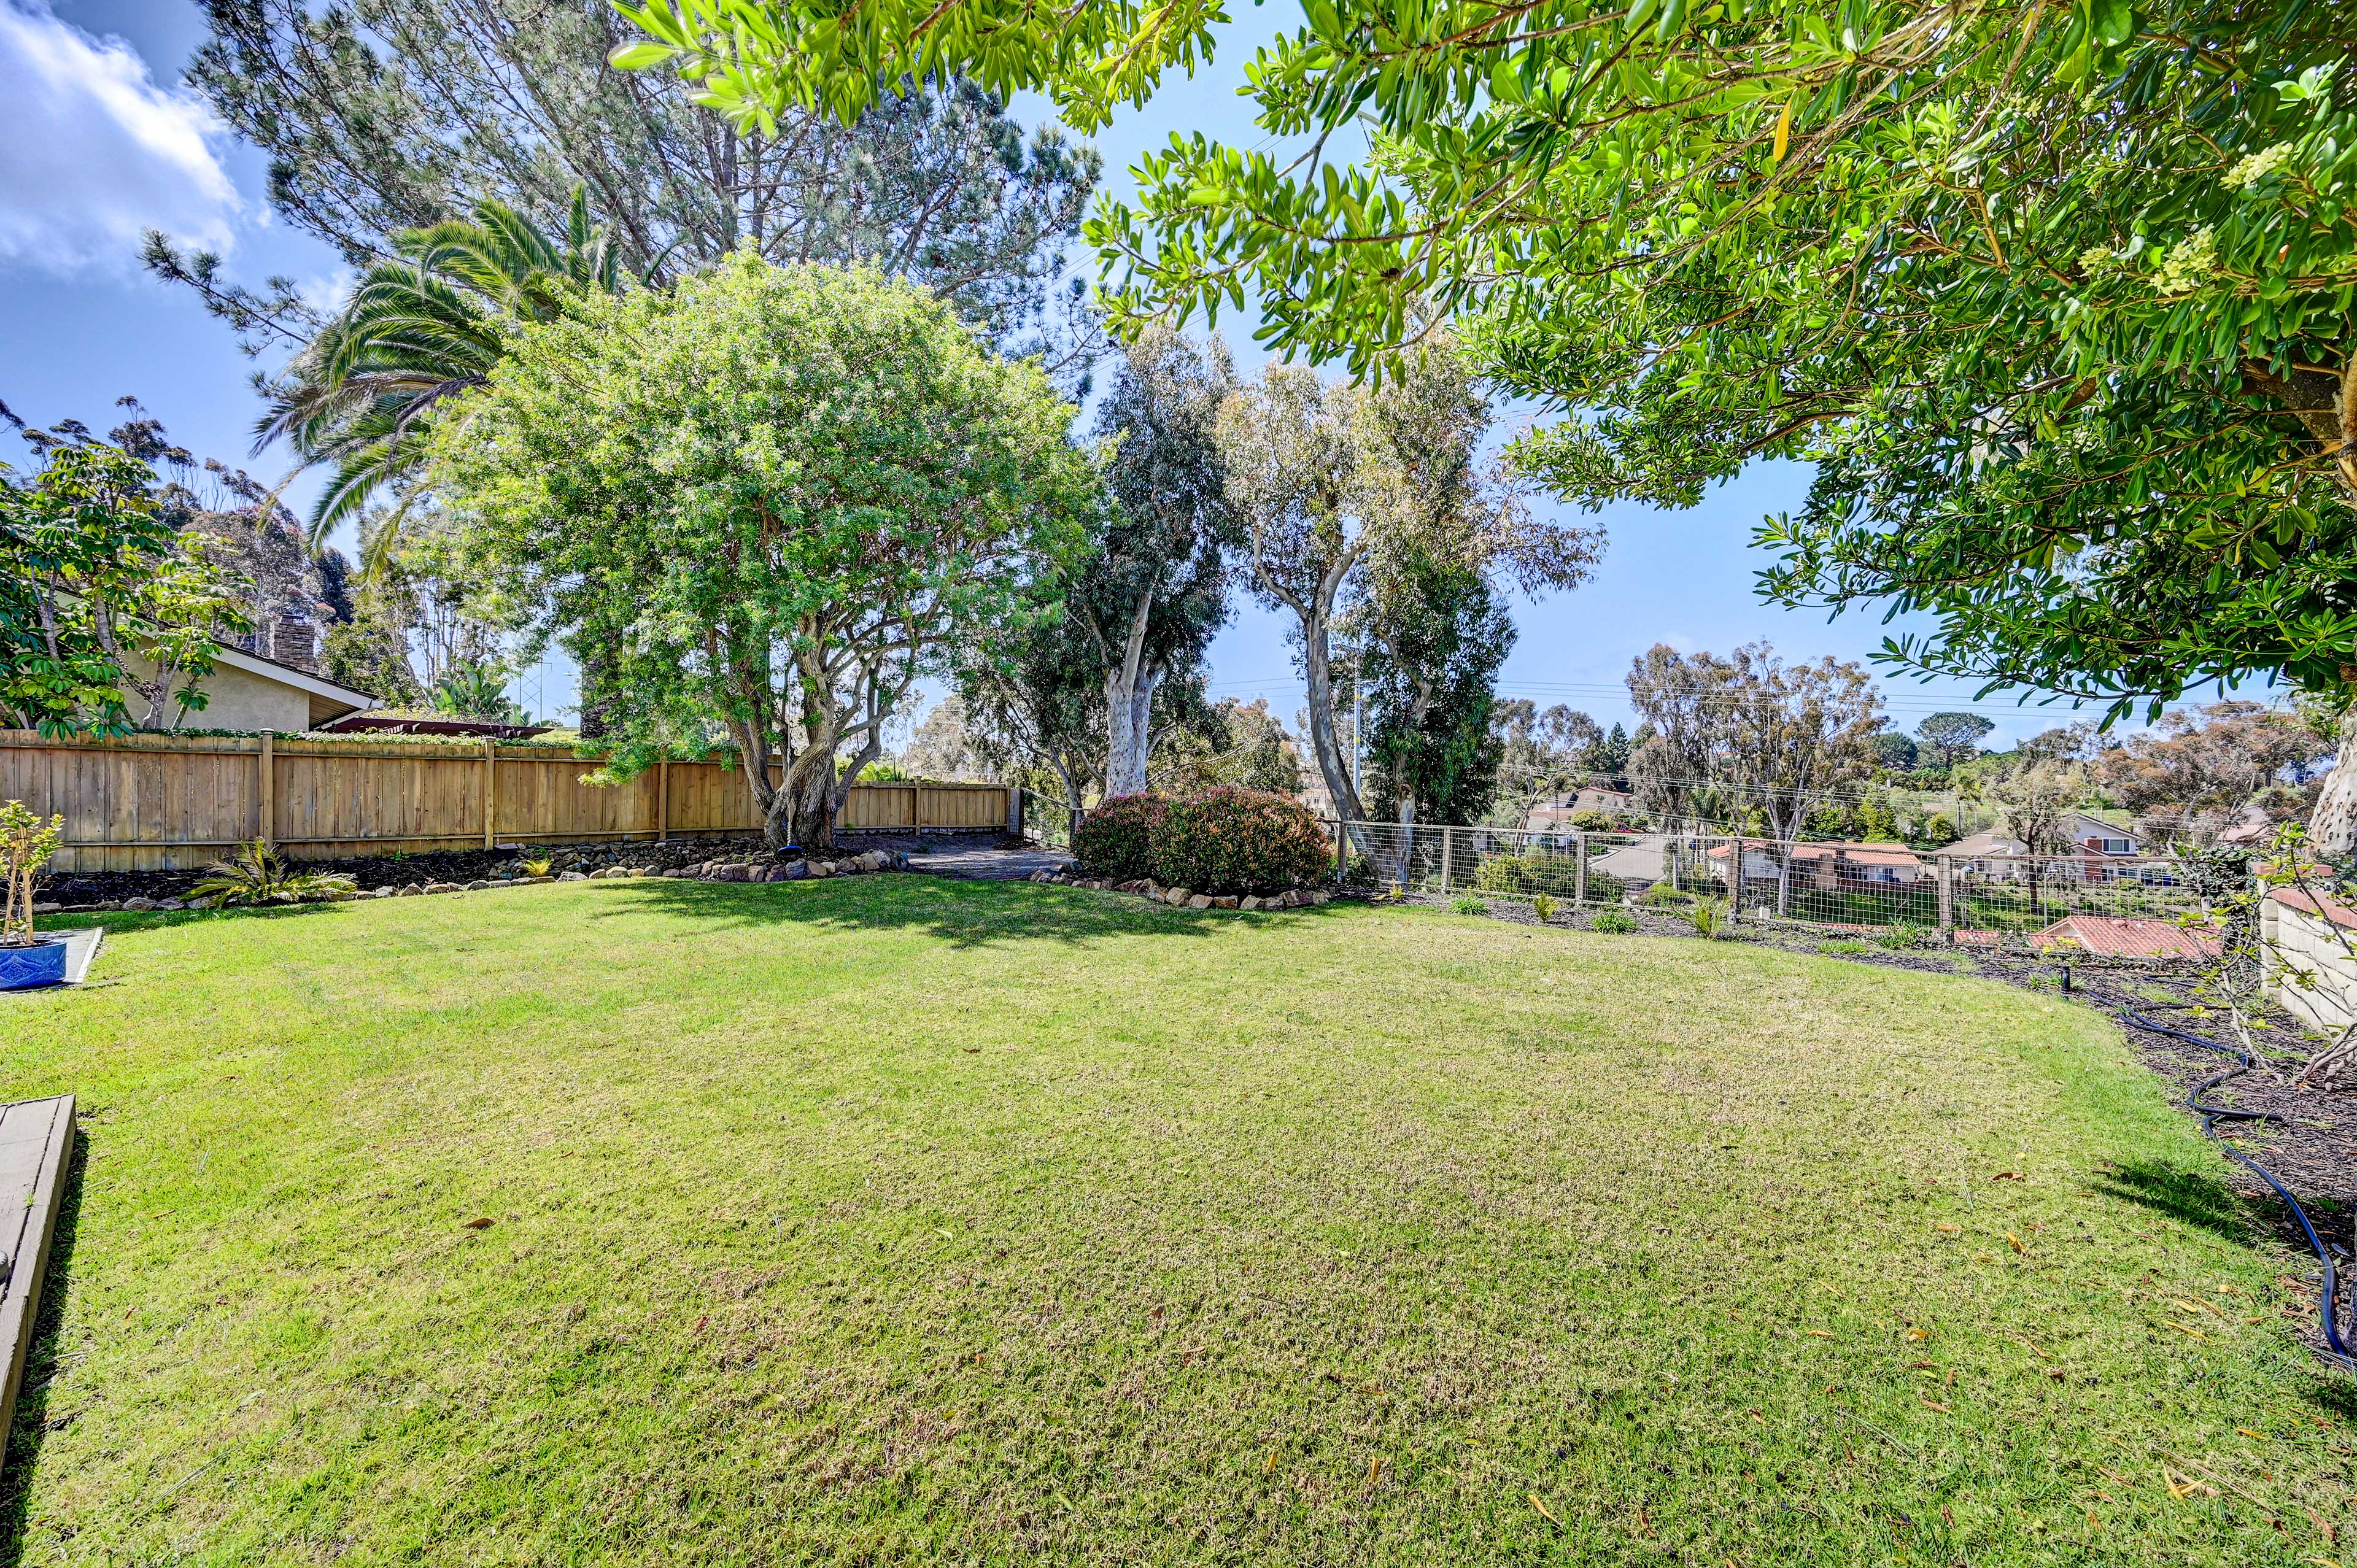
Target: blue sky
<point>98,141</point>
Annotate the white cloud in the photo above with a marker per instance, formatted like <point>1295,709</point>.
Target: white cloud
<point>94,152</point>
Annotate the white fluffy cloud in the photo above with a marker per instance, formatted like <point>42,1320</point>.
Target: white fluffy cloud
<point>94,152</point>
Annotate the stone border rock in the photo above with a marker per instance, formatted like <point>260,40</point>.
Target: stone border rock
<point>1187,898</point>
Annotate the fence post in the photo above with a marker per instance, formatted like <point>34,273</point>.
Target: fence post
<point>1580,865</point>
<point>266,825</point>
<point>1948,896</point>
<point>1342,852</point>
<point>490,791</point>
<point>663,799</point>
<point>1013,812</point>
<point>1448,857</point>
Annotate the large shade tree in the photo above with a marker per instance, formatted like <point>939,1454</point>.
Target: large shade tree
<point>780,495</point>
<point>2054,295</point>
<point>384,115</point>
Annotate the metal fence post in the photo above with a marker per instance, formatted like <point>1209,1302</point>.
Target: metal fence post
<point>1580,865</point>
<point>1448,857</point>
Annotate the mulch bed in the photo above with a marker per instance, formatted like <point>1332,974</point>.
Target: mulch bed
<point>81,890</point>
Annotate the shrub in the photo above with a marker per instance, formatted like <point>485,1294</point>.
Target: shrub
<point>1617,923</point>
<point>1544,908</point>
<point>1709,917</point>
<point>1237,841</point>
<point>1117,840</point>
<point>1466,904</point>
<point>1663,896</point>
<point>1532,871</point>
<point>1591,822</point>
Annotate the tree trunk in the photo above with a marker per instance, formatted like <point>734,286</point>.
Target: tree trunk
<point>2332,826</point>
<point>592,665</point>
<point>1129,705</point>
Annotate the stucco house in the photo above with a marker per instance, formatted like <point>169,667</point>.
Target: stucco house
<point>280,689</point>
<point>2101,851</point>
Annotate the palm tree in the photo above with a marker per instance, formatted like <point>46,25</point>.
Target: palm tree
<point>418,329</point>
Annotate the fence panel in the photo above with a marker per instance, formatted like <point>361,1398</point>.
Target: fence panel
<point>164,802</point>
<point>2126,904</point>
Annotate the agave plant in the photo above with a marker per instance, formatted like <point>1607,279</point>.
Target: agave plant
<point>538,865</point>
<point>255,875</point>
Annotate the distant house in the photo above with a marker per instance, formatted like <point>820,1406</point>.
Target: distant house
<point>1831,864</point>
<point>2096,846</point>
<point>1551,816</point>
<point>257,691</point>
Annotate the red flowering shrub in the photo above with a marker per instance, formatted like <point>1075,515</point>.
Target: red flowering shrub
<point>1115,841</point>
<point>1238,841</point>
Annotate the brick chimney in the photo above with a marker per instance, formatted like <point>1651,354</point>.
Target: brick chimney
<point>294,641</point>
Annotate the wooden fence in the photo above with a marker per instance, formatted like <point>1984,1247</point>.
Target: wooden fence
<point>164,801</point>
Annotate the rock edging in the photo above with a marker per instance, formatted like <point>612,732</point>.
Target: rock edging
<point>1186,897</point>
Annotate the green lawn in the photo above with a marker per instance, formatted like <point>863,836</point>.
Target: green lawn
<point>901,1220</point>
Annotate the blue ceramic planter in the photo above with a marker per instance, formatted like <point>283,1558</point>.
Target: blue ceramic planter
<point>43,963</point>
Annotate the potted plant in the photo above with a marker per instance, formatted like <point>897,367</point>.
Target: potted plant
<point>25,844</point>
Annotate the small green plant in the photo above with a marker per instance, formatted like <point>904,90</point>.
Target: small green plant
<point>538,865</point>
<point>1663,896</point>
<point>1543,907</point>
<point>256,875</point>
<point>1906,934</point>
<point>1617,923</point>
<point>1466,904</point>
<point>25,844</point>
<point>1845,945</point>
<point>1710,919</point>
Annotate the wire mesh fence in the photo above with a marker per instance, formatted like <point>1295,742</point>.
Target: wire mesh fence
<point>2087,898</point>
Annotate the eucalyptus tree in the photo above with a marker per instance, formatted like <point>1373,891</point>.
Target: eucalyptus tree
<point>1340,486</point>
<point>1153,592</point>
<point>781,496</point>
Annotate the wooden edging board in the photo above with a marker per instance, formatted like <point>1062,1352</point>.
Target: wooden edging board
<point>36,1141</point>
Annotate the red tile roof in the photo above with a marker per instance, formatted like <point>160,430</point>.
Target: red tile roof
<point>2116,936</point>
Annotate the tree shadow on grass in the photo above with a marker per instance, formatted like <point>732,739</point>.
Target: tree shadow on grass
<point>43,1362</point>
<point>2191,1197</point>
<point>964,914</point>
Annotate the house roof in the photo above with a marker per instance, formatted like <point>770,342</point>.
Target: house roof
<point>329,700</point>
<point>409,724</point>
<point>2116,936</point>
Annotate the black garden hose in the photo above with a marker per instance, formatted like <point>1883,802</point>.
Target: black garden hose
<point>2328,1304</point>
